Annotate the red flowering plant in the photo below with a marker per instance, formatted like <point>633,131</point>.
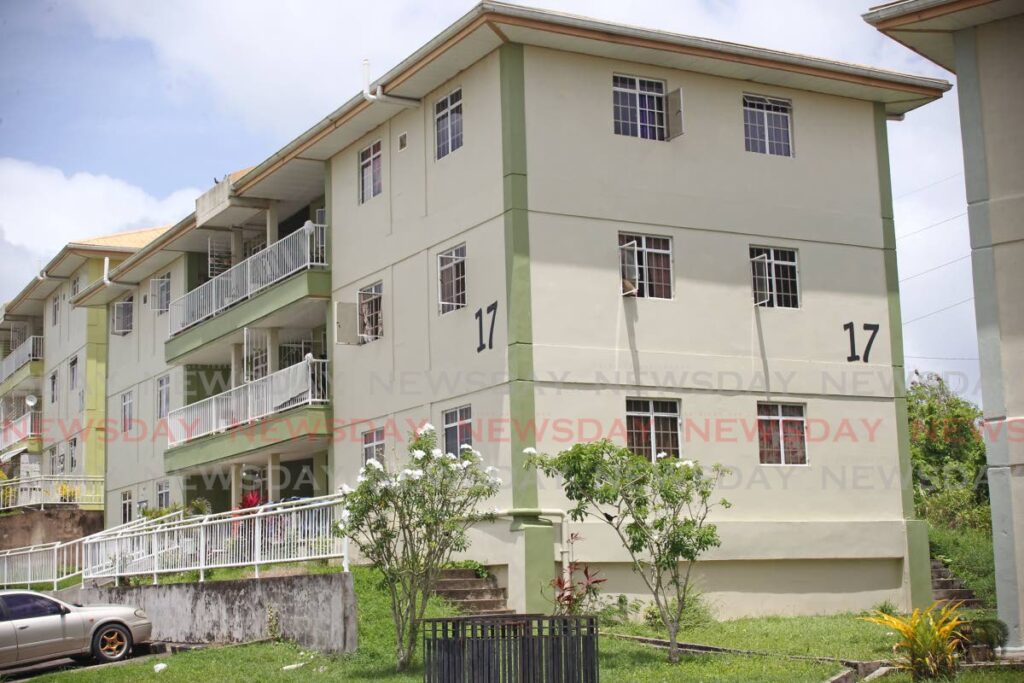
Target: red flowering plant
<point>576,590</point>
<point>251,499</point>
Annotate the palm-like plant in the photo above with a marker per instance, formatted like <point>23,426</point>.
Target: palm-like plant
<point>930,640</point>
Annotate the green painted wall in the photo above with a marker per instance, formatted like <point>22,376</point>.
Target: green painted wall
<point>203,381</point>
<point>95,452</point>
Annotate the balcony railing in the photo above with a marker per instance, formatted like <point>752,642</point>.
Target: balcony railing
<point>27,425</point>
<point>50,490</point>
<point>29,350</point>
<point>304,248</point>
<point>301,384</point>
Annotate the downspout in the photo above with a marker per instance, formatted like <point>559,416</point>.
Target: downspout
<point>543,512</point>
<point>379,96</point>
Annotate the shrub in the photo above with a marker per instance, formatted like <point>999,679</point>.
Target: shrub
<point>955,508</point>
<point>887,607</point>
<point>479,569</point>
<point>697,612</point>
<point>984,630</point>
<point>617,610</point>
<point>930,640</point>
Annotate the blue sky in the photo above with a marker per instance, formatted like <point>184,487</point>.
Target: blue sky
<point>115,114</point>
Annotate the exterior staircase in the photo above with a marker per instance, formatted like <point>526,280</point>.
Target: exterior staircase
<point>470,594</point>
<point>947,588</point>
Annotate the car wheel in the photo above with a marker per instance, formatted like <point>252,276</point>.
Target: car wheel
<point>112,643</point>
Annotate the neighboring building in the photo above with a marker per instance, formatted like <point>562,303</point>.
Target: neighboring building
<point>52,396</point>
<point>540,229</point>
<point>982,43</point>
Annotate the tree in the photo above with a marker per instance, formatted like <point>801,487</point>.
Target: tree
<point>658,509</point>
<point>408,524</point>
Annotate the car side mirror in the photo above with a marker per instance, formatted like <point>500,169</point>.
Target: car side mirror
<point>64,609</point>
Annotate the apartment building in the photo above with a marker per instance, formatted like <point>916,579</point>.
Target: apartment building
<point>52,396</point>
<point>980,43</point>
<point>541,229</point>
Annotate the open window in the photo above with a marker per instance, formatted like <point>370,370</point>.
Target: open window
<point>160,294</point>
<point>122,321</point>
<point>255,353</point>
<point>218,255</point>
<point>629,268</point>
<point>761,279</point>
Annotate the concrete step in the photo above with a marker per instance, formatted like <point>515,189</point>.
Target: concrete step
<point>939,584</point>
<point>941,574</point>
<point>455,584</point>
<point>494,613</point>
<point>482,593</point>
<point>953,594</point>
<point>478,606</point>
<point>970,603</point>
<point>458,574</point>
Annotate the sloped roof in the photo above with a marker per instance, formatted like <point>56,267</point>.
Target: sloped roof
<point>130,239</point>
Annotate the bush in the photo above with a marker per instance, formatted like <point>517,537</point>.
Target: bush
<point>968,554</point>
<point>930,640</point>
<point>955,508</point>
<point>479,569</point>
<point>989,631</point>
<point>618,610</point>
<point>696,612</point>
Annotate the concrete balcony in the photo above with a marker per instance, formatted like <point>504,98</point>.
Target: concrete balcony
<point>21,433</point>
<point>22,365</point>
<point>51,491</point>
<point>287,283</point>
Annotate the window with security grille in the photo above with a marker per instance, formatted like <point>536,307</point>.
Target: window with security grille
<point>371,316</point>
<point>72,455</point>
<point>451,276</point>
<point>652,427</point>
<point>781,434</point>
<point>448,124</point>
<point>370,172</point>
<point>55,310</point>
<point>127,509</point>
<point>163,396</point>
<point>767,125</point>
<point>645,263</point>
<point>458,428</point>
<point>638,107</point>
<point>776,279</point>
<point>163,494</point>
<point>373,445</point>
<point>160,293</point>
<point>127,411</point>
<point>73,373</point>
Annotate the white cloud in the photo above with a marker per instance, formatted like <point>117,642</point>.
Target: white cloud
<point>42,209</point>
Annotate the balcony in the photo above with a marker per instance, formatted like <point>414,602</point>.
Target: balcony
<point>302,384</point>
<point>28,425</point>
<point>55,490</point>
<point>25,353</point>
<point>303,249</point>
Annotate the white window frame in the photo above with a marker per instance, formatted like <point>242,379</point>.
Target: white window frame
<point>72,462</point>
<point>761,106</point>
<point>649,414</point>
<point>660,131</point>
<point>781,419</point>
<point>51,453</point>
<point>374,443</point>
<point>127,411</point>
<point>75,284</point>
<point>55,311</point>
<point>73,373</point>
<point>127,509</point>
<point>62,461</point>
<point>163,396</point>
<point>160,293</point>
<point>163,494</point>
<point>369,296</point>
<point>770,276</point>
<point>460,419</point>
<point>371,167</point>
<point>444,109</point>
<point>453,260</point>
<point>123,316</point>
<point>637,249</point>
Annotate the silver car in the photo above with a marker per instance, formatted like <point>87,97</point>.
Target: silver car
<point>35,627</point>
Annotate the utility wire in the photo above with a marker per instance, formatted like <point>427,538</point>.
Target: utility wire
<point>933,225</point>
<point>940,357</point>
<point>925,187</point>
<point>944,308</point>
<point>931,270</point>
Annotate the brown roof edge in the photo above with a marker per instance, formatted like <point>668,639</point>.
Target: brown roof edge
<point>896,14</point>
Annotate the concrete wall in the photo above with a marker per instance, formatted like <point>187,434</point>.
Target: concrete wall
<point>52,525</point>
<point>317,612</point>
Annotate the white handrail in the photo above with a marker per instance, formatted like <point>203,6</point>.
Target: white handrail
<point>296,531</point>
<point>50,490</point>
<point>303,249</point>
<point>29,350</point>
<point>301,384</point>
<point>25,426</point>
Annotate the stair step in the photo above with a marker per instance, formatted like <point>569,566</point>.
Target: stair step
<point>494,613</point>
<point>941,574</point>
<point>458,574</point>
<point>953,594</point>
<point>461,594</point>
<point>477,606</point>
<point>455,584</point>
<point>939,584</point>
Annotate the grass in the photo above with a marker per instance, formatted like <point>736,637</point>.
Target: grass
<point>619,660</point>
<point>980,675</point>
<point>968,554</point>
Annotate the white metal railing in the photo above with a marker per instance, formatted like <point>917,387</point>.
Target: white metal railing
<point>50,490</point>
<point>304,248</point>
<point>29,350</point>
<point>25,426</point>
<point>51,563</point>
<point>296,531</point>
<point>300,384</point>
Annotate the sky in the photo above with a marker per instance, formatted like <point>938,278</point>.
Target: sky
<point>116,114</point>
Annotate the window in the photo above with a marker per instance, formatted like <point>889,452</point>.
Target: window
<point>61,460</point>
<point>160,293</point>
<point>163,396</point>
<point>75,284</point>
<point>163,494</point>
<point>370,183</point>
<point>73,455</point>
<point>373,444</point>
<point>458,428</point>
<point>29,606</point>
<point>122,316</point>
<point>371,318</point>
<point>51,456</point>
<point>451,275</point>
<point>127,511</point>
<point>403,141</point>
<point>646,265</point>
<point>448,123</point>
<point>652,427</point>
<point>767,125</point>
<point>638,107</point>
<point>126,411</point>
<point>73,374</point>
<point>781,436</point>
<point>53,387</point>
<point>775,277</point>
<point>55,310</point>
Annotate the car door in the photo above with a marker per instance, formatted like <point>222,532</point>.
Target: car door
<point>8,641</point>
<point>39,626</point>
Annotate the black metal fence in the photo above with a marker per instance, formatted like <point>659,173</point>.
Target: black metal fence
<point>510,649</point>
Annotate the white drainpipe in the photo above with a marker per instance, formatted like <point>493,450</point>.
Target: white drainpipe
<point>379,95</point>
<point>543,512</point>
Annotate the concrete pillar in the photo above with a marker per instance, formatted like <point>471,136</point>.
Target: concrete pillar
<point>273,477</point>
<point>273,349</point>
<point>237,365</point>
<point>236,485</point>
<point>321,480</point>
<point>237,246</point>
<point>271,223</point>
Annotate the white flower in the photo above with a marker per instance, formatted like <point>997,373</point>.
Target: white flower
<point>345,490</point>
<point>530,451</point>
<point>450,456</point>
<point>476,454</point>
<point>427,427</point>
<point>684,463</point>
<point>415,474</point>
<point>375,464</point>
<point>491,470</point>
<point>437,453</point>
<point>496,480</point>
<point>662,455</point>
<point>462,465</point>
<point>465,447</point>
<point>418,454</point>
<point>345,515</point>
<point>360,479</point>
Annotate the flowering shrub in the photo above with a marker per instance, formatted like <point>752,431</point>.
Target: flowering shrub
<point>67,493</point>
<point>251,499</point>
<point>409,523</point>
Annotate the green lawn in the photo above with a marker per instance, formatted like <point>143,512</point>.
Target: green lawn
<point>971,676</point>
<point>968,553</point>
<point>619,660</point>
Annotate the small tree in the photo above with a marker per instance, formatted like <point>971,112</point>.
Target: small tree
<point>408,524</point>
<point>658,509</point>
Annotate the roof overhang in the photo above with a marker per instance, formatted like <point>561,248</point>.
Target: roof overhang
<point>927,26</point>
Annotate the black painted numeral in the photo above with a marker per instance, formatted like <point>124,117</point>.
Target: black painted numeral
<point>492,309</point>
<point>868,327</point>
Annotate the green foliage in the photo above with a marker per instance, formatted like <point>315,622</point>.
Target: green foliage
<point>968,554</point>
<point>479,569</point>
<point>696,613</point>
<point>273,623</point>
<point>410,523</point>
<point>886,607</point>
<point>986,630</point>
<point>200,506</point>
<point>617,610</point>
<point>955,507</point>
<point>659,511</point>
<point>929,642</point>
